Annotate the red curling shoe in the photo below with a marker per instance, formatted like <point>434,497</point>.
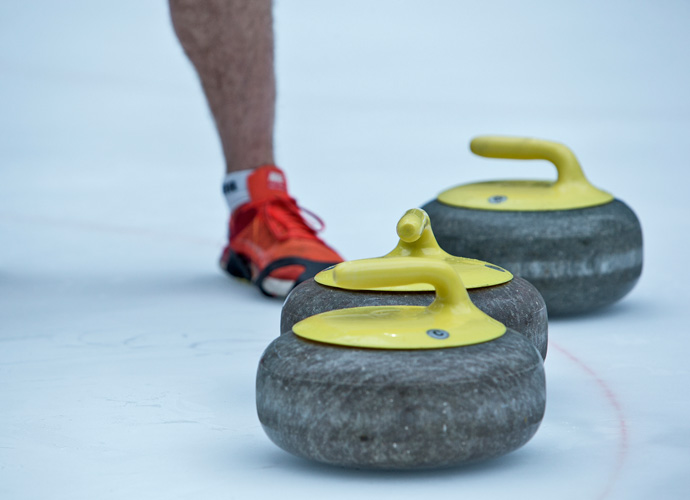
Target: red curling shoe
<point>271,243</point>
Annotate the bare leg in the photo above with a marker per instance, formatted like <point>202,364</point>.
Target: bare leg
<point>230,43</point>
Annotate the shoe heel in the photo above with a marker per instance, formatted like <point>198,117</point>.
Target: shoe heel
<point>236,266</point>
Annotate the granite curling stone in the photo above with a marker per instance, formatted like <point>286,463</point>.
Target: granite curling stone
<point>401,387</point>
<point>578,245</point>
<point>509,299</point>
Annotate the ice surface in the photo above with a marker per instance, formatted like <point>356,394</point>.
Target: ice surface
<point>127,360</point>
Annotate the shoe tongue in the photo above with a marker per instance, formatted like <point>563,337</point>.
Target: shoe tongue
<point>267,182</point>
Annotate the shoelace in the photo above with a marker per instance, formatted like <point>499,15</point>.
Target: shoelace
<point>284,219</point>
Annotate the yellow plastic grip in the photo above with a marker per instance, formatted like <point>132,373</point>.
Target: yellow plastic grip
<point>399,271</point>
<point>524,148</point>
<point>412,225</point>
<point>570,191</point>
<point>417,241</point>
<point>451,320</point>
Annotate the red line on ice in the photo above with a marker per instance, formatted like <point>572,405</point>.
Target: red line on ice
<point>618,409</point>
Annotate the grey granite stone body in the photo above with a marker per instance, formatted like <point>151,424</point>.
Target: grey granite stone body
<point>387,409</point>
<point>517,304</point>
<point>579,260</point>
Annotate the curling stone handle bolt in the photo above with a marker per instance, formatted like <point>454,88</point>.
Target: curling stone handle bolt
<point>523,148</point>
<point>451,294</point>
<point>412,225</point>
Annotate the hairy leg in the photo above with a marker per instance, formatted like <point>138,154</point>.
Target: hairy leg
<point>230,43</point>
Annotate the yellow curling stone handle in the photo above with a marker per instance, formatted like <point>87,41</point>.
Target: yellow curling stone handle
<point>451,320</point>
<point>416,241</point>
<point>571,189</point>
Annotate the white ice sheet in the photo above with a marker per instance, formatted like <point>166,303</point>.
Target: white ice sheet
<point>127,361</point>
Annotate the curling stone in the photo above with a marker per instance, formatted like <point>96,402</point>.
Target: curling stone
<point>401,387</point>
<point>511,300</point>
<point>578,245</point>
